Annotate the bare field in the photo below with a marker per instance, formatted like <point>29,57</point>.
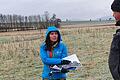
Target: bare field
<point>19,53</point>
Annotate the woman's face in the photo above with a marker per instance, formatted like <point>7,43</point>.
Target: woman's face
<point>53,36</point>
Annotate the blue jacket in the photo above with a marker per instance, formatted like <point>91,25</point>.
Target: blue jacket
<point>59,52</point>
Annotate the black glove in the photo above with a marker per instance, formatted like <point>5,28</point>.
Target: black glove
<point>63,62</point>
<point>64,70</point>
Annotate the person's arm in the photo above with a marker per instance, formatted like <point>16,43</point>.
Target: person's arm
<point>47,60</point>
<point>114,57</point>
<point>116,5</point>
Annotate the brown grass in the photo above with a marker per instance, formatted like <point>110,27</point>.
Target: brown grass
<point>19,53</point>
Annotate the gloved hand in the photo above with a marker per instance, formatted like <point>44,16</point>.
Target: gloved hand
<point>63,62</point>
<point>64,70</point>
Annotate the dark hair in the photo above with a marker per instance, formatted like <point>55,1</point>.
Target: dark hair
<point>48,42</point>
<point>115,6</point>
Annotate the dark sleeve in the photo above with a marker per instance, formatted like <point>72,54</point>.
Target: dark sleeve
<point>114,57</point>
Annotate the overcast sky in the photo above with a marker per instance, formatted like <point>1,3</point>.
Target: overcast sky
<point>64,9</point>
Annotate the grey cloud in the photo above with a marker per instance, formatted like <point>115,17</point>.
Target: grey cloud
<point>71,9</point>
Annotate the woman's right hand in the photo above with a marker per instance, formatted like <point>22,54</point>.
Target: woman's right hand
<point>65,62</point>
<point>63,70</point>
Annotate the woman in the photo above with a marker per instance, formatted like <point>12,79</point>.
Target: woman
<point>51,52</point>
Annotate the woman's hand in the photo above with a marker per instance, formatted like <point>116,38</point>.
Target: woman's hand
<point>65,62</point>
<point>63,70</point>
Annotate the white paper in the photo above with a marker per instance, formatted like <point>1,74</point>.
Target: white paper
<point>72,58</point>
<point>56,67</point>
<point>75,63</point>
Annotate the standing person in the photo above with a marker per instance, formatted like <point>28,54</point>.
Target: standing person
<point>114,57</point>
<point>51,52</point>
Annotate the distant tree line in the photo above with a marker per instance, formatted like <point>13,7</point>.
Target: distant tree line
<point>21,23</point>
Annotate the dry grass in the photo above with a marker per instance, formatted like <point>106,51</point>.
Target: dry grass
<point>19,53</point>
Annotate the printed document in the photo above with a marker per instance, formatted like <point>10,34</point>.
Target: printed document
<point>74,65</point>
